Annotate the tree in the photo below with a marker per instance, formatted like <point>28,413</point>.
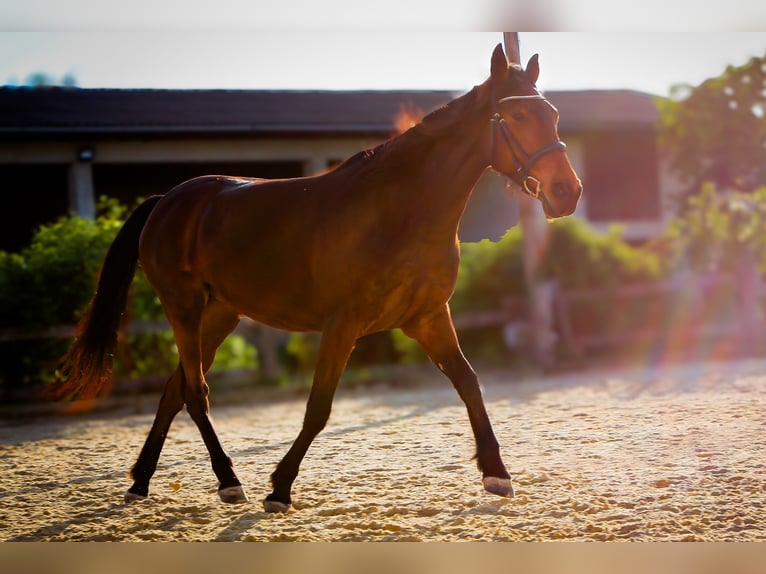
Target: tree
<point>716,132</point>
<point>715,231</point>
<point>44,80</point>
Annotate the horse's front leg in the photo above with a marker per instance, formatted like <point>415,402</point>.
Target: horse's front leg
<point>436,334</point>
<point>334,350</point>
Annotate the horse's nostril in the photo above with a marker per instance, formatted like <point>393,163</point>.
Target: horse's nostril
<point>561,190</point>
<point>565,190</point>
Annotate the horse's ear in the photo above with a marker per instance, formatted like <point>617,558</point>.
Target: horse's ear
<point>532,70</point>
<point>499,67</point>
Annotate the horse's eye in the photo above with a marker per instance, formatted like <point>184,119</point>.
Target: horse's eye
<point>518,116</point>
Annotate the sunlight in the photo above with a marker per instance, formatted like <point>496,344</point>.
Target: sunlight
<point>345,59</point>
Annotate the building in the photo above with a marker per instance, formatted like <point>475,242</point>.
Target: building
<point>60,148</point>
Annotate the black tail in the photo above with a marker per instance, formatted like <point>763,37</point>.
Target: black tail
<point>87,367</point>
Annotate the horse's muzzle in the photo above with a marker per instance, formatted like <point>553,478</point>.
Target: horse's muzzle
<point>561,199</point>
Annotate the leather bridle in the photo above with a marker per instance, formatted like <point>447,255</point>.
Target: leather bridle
<point>522,160</point>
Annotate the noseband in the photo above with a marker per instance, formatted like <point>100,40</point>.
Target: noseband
<point>522,160</point>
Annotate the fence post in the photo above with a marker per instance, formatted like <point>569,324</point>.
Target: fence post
<point>81,193</point>
<point>534,235</point>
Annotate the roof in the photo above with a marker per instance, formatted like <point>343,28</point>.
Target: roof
<point>596,109</point>
<point>74,111</point>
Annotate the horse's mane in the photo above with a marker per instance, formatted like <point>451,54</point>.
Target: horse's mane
<point>445,118</point>
<point>405,151</point>
<point>408,148</point>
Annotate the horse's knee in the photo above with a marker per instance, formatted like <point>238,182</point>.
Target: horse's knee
<point>198,407</point>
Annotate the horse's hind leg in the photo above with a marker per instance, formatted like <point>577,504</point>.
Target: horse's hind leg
<point>187,330</point>
<point>436,335</point>
<point>171,402</point>
<point>217,322</point>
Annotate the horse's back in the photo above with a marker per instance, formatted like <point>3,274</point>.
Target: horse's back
<point>169,237</point>
<point>247,242</point>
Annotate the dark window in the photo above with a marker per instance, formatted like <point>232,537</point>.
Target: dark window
<point>32,195</point>
<point>621,176</point>
<point>127,182</point>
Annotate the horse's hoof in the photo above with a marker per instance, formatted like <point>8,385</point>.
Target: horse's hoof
<point>233,494</point>
<point>275,506</point>
<point>499,486</point>
<point>133,497</point>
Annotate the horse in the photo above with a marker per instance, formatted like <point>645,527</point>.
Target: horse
<point>368,246</point>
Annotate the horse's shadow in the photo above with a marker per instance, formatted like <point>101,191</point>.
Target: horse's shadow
<point>238,524</point>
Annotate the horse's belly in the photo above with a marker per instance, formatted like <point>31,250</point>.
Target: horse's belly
<point>287,300</point>
<point>280,300</point>
<point>272,261</point>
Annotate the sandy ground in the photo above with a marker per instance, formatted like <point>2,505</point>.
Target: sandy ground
<point>670,454</point>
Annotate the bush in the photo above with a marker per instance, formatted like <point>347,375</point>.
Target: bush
<point>575,257</point>
<point>51,281</point>
<point>489,272</point>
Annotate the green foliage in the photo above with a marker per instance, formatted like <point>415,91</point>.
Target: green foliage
<point>716,230</point>
<point>235,353</point>
<point>716,131</point>
<point>490,272</point>
<point>51,281</point>
<point>302,351</point>
<point>575,256</point>
<point>408,349</point>
<point>155,353</point>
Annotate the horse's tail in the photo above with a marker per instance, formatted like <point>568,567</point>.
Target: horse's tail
<point>86,369</point>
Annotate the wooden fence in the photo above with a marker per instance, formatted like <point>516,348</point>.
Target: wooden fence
<point>711,305</point>
<point>685,305</point>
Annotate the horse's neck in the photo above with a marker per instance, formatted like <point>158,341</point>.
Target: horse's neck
<point>454,160</point>
<point>424,177</point>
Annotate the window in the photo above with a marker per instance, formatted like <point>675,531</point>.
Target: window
<point>34,194</point>
<point>128,181</point>
<point>622,176</point>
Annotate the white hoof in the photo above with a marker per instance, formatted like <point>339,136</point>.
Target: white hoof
<point>499,486</point>
<point>133,497</point>
<point>233,494</point>
<point>275,506</point>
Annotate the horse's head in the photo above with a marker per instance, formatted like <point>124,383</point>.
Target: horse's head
<point>525,144</point>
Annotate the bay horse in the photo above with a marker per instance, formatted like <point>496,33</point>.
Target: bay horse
<point>368,246</point>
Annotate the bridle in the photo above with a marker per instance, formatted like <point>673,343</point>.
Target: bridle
<point>522,160</point>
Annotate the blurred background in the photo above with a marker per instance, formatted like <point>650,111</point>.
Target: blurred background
<point>663,260</point>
